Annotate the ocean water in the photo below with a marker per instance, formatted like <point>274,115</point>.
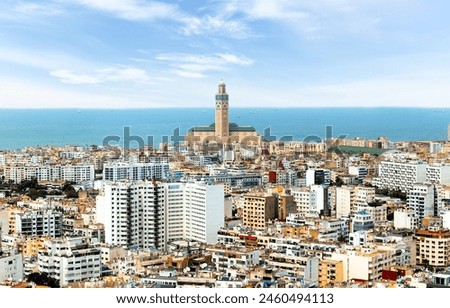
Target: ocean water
<point>21,128</point>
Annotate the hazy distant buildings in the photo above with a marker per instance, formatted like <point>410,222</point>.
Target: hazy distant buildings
<point>70,173</point>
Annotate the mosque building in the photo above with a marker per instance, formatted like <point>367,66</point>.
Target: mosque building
<point>222,132</point>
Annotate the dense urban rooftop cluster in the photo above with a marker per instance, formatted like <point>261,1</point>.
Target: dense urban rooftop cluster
<point>294,214</point>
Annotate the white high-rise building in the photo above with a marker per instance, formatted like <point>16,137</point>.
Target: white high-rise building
<point>203,211</point>
<point>438,174</point>
<point>135,171</point>
<point>421,199</point>
<point>70,260</point>
<point>400,175</point>
<point>321,198</point>
<point>146,214</point>
<point>343,201</point>
<point>133,214</point>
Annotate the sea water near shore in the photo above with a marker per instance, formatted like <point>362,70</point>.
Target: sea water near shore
<point>21,128</point>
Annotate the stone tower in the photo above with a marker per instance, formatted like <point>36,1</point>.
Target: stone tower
<point>222,128</point>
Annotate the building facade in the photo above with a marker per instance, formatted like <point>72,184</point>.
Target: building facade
<point>258,210</point>
<point>39,223</point>
<point>135,171</point>
<point>148,214</point>
<point>70,260</point>
<point>433,247</point>
<point>400,175</point>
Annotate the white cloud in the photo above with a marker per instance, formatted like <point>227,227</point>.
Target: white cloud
<point>136,10</point>
<point>195,65</point>
<point>41,59</point>
<point>215,25</point>
<point>68,77</point>
<point>231,58</point>
<point>188,74</point>
<point>38,9</point>
<point>102,76</point>
<point>31,94</point>
<point>321,18</point>
<point>125,74</point>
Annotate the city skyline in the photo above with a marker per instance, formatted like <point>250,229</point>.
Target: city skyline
<point>156,54</point>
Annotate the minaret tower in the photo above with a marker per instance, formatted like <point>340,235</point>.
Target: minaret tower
<point>222,125</point>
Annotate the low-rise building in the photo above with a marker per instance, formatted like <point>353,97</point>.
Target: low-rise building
<point>70,260</point>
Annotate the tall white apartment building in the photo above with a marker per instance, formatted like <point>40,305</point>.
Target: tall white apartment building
<point>148,214</point>
<point>421,199</point>
<point>133,214</point>
<point>321,198</point>
<point>39,223</point>
<point>438,174</point>
<point>135,171</point>
<point>203,212</point>
<point>400,175</point>
<point>69,260</point>
<point>343,201</point>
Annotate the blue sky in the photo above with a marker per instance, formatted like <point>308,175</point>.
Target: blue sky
<point>271,53</point>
